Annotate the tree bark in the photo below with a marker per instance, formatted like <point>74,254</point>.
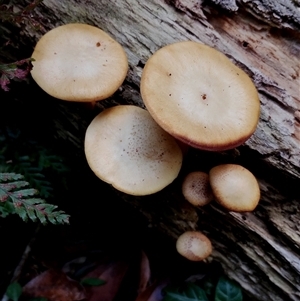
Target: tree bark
<point>261,249</point>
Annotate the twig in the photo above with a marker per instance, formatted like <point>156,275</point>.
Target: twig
<point>25,255</point>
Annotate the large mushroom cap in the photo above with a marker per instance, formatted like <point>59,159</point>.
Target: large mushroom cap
<point>125,147</point>
<point>79,62</point>
<point>234,187</point>
<point>199,96</point>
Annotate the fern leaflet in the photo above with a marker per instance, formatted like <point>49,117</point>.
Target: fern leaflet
<point>16,197</point>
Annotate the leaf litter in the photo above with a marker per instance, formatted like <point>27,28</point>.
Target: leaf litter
<point>58,285</point>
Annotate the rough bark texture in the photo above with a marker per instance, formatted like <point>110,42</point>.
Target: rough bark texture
<point>260,250</point>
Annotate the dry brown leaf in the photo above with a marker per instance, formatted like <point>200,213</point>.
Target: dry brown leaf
<point>55,286</point>
<point>145,294</point>
<point>70,267</point>
<point>145,272</point>
<point>113,275</point>
<point>153,292</point>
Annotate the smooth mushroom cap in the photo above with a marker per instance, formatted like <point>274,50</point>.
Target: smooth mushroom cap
<point>125,147</point>
<point>193,245</point>
<point>199,96</point>
<point>196,188</point>
<point>234,187</point>
<point>79,62</point>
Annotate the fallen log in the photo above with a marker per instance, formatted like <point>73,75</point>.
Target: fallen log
<point>261,249</point>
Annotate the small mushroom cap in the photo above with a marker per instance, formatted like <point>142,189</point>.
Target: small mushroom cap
<point>199,96</point>
<point>125,147</point>
<point>196,188</point>
<point>193,245</point>
<point>234,187</point>
<point>79,62</point>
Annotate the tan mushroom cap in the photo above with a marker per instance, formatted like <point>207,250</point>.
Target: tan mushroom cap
<point>196,188</point>
<point>79,62</point>
<point>199,96</point>
<point>234,187</point>
<point>193,245</point>
<point>125,147</point>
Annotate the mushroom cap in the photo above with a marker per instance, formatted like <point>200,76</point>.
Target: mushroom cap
<point>193,245</point>
<point>79,62</point>
<point>196,188</point>
<point>199,96</point>
<point>125,147</point>
<point>234,187</point>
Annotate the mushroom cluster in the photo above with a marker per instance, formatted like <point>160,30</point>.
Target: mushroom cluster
<point>124,146</point>
<point>193,94</point>
<point>233,186</point>
<point>201,98</point>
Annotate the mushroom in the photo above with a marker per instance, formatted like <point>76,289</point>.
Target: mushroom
<point>196,188</point>
<point>79,62</point>
<point>199,96</point>
<point>234,187</point>
<point>193,245</point>
<point>125,147</point>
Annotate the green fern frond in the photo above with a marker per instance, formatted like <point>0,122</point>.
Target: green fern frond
<point>46,159</point>
<point>16,198</point>
<point>37,162</point>
<point>33,175</point>
<point>6,208</point>
<point>9,176</point>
